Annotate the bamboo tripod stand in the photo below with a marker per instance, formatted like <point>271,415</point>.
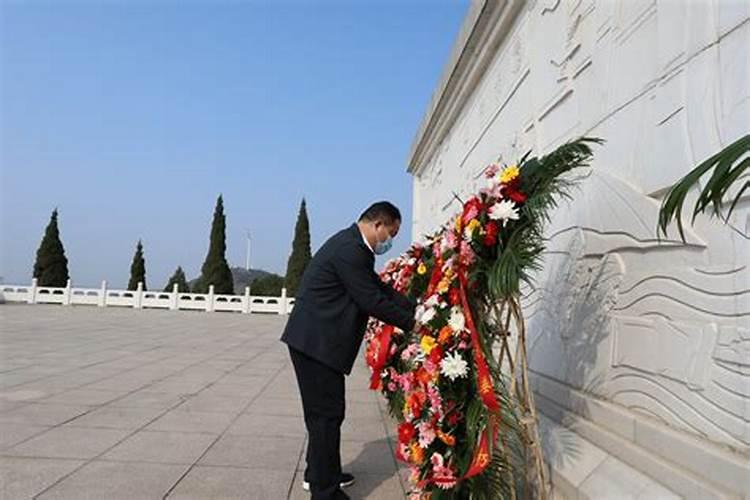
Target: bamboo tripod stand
<point>515,367</point>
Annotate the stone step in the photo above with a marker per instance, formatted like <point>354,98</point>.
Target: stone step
<point>582,471</point>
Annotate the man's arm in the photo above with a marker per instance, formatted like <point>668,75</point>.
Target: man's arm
<point>354,268</point>
<point>397,296</point>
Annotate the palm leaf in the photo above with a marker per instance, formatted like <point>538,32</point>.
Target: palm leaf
<point>723,176</point>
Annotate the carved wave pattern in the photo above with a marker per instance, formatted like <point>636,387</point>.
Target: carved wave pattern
<point>668,342</point>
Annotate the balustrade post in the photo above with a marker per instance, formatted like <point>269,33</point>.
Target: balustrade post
<point>67,294</point>
<point>31,298</point>
<point>246,303</point>
<point>138,302</point>
<point>175,298</point>
<point>282,306</point>
<point>210,300</point>
<point>102,302</point>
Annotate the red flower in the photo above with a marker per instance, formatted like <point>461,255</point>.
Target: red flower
<point>406,432</point>
<point>436,355</point>
<point>454,418</point>
<point>511,191</point>
<point>422,375</point>
<point>416,402</point>
<point>490,233</point>
<point>471,209</point>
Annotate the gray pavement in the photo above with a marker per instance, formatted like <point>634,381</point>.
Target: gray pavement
<point>144,404</point>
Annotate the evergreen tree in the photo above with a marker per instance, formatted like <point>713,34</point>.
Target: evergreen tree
<point>51,266</point>
<point>215,270</point>
<point>269,286</point>
<point>137,269</point>
<point>301,254</point>
<point>179,279</point>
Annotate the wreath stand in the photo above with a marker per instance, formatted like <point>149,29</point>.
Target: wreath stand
<point>514,368</point>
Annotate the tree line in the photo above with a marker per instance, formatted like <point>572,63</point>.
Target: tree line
<point>51,265</point>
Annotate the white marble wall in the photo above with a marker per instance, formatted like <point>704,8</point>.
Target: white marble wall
<point>657,331</point>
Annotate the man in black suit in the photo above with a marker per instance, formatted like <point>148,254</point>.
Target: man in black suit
<point>338,293</point>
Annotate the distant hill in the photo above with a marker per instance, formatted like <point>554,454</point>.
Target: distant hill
<point>242,278</point>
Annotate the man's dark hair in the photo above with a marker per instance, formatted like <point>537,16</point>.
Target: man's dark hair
<point>383,211</point>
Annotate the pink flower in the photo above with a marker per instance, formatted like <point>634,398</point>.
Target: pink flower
<point>492,191</point>
<point>414,471</point>
<point>392,386</point>
<point>406,381</point>
<point>491,171</point>
<point>451,240</point>
<point>436,401</point>
<point>409,352</point>
<point>467,254</point>
<point>426,434</point>
<point>430,366</point>
<point>471,209</point>
<point>443,475</point>
<point>436,246</point>
<point>402,452</point>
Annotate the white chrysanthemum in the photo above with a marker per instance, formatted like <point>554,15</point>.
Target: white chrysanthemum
<point>504,210</point>
<point>424,314</point>
<point>419,311</point>
<point>432,301</point>
<point>457,322</point>
<point>453,366</point>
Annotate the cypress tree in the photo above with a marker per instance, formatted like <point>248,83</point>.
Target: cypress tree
<point>179,279</point>
<point>215,270</point>
<point>51,266</point>
<point>137,268</point>
<point>301,254</point>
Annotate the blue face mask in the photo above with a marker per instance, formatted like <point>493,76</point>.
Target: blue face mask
<point>382,247</point>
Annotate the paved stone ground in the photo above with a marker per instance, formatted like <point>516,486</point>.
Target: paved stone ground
<point>135,404</point>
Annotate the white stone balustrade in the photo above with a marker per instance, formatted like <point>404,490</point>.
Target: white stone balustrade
<point>146,299</point>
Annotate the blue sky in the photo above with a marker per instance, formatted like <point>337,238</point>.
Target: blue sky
<point>131,117</point>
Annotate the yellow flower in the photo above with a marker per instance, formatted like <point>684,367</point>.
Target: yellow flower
<point>458,223</point>
<point>471,227</point>
<point>509,173</point>
<point>445,281</point>
<point>421,269</point>
<point>427,344</point>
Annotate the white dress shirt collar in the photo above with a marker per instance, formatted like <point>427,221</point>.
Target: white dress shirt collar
<point>367,243</point>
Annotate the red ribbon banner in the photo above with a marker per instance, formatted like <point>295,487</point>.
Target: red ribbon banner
<point>377,357</point>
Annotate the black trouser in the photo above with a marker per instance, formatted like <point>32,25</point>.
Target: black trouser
<point>322,390</point>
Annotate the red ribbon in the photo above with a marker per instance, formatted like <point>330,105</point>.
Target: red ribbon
<point>378,358</point>
<point>479,462</point>
<point>484,379</point>
<point>437,274</point>
<point>482,454</point>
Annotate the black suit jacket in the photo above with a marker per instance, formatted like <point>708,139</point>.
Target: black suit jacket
<point>338,292</point>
